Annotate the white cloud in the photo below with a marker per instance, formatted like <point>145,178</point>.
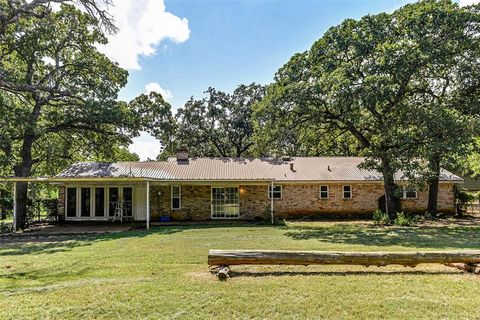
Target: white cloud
<point>467,2</point>
<point>142,24</point>
<point>146,146</point>
<point>153,86</point>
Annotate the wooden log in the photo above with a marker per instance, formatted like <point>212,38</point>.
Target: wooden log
<point>280,257</point>
<point>223,273</point>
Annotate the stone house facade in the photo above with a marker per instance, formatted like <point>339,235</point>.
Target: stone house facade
<point>201,189</point>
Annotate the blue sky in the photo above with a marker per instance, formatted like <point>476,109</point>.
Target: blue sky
<point>226,43</point>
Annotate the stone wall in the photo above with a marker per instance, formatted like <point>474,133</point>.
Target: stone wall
<point>196,202</point>
<point>61,203</point>
<point>446,200</point>
<point>299,201</point>
<point>254,202</point>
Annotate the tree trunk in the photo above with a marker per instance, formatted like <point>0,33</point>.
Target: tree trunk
<point>433,186</point>
<point>389,187</point>
<point>23,170</point>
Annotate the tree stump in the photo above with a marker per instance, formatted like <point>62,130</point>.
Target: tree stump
<point>223,273</point>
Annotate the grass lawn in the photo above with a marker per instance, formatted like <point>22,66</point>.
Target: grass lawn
<point>162,274</point>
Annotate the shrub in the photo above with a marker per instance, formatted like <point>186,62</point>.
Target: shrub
<point>379,217</point>
<point>462,197</point>
<point>405,220</point>
<point>6,227</point>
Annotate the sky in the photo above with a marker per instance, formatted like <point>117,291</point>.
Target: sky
<point>179,48</point>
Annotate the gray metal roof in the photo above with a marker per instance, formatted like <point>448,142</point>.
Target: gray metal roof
<point>211,169</point>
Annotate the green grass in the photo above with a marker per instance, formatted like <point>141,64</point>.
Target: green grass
<point>162,274</point>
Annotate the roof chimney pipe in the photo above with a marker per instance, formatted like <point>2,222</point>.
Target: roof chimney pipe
<point>291,167</point>
<point>182,154</point>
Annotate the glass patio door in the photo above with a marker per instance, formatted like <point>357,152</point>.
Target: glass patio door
<point>225,203</point>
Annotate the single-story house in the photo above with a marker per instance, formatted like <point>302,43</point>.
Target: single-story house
<point>183,188</point>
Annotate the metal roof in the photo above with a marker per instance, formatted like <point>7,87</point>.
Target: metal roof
<point>238,169</point>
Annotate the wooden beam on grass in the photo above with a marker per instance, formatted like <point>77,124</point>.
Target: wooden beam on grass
<point>281,257</point>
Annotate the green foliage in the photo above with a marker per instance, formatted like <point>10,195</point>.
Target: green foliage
<point>390,82</point>
<point>380,218</point>
<point>49,207</point>
<point>220,124</point>
<point>405,219</point>
<point>58,97</point>
<point>462,196</point>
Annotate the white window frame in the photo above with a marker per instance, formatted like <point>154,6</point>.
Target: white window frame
<point>92,216</point>
<point>76,202</point>
<point>404,193</point>
<point>320,192</point>
<point>343,192</point>
<point>179,197</point>
<point>79,208</point>
<point>270,194</point>
<point>105,201</point>
<point>212,205</point>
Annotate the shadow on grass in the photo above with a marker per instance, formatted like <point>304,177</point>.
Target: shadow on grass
<point>48,244</point>
<point>458,237</point>
<point>336,273</point>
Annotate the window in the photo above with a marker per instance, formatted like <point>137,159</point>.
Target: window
<point>176,195</point>
<point>113,199</point>
<point>409,192</point>
<point>225,203</point>
<point>99,202</point>
<point>323,192</point>
<point>85,202</point>
<point>71,202</point>
<point>276,194</point>
<point>127,201</point>
<point>347,192</point>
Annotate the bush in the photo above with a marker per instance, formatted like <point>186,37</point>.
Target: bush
<point>50,206</point>
<point>462,197</point>
<point>6,227</point>
<point>405,220</point>
<point>379,217</point>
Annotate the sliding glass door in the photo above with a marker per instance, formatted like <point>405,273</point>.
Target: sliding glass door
<point>225,203</point>
<point>127,194</point>
<point>113,199</point>
<point>71,203</point>
<point>85,207</point>
<point>97,202</point>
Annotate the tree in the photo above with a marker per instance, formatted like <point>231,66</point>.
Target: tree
<point>219,125</point>
<point>354,79</point>
<point>58,86</point>
<point>445,101</point>
<point>405,85</point>
<point>154,112</point>
<point>11,11</point>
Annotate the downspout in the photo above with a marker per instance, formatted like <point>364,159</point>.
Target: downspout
<point>15,206</point>
<point>148,205</point>
<point>271,204</point>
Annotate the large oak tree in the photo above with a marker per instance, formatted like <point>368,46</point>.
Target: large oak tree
<point>57,86</point>
<point>385,80</point>
<point>219,125</point>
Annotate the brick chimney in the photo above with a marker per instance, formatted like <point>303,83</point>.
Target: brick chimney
<point>182,154</point>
